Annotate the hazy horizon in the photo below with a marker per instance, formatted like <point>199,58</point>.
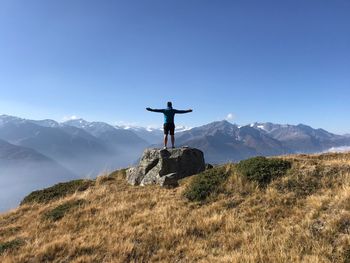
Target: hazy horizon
<point>36,156</point>
<point>129,125</point>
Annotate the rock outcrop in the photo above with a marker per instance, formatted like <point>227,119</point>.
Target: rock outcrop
<point>166,167</point>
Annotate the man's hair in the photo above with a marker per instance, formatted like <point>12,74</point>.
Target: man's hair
<point>169,104</point>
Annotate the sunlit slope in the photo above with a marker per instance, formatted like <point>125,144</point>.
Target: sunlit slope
<point>302,215</point>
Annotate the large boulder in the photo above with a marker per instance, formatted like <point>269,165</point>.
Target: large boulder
<point>166,167</point>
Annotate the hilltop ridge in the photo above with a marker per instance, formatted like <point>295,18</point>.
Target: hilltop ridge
<point>298,215</point>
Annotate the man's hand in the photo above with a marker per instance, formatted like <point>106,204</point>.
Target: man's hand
<point>148,109</point>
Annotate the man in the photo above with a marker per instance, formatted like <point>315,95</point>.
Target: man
<point>169,125</point>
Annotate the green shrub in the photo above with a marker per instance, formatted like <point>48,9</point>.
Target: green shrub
<point>263,170</point>
<point>206,184</point>
<point>60,211</point>
<point>302,186</point>
<point>57,191</point>
<point>9,231</point>
<point>11,245</point>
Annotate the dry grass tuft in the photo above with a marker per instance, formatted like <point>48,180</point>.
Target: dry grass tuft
<point>303,216</point>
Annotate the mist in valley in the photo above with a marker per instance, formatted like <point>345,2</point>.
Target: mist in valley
<point>20,178</point>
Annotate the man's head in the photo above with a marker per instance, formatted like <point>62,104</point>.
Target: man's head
<point>169,104</point>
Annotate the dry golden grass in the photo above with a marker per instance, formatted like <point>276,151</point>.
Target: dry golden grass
<point>301,217</point>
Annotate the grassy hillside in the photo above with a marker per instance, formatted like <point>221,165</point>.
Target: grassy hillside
<point>300,213</point>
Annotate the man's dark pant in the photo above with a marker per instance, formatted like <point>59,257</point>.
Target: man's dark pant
<point>169,127</point>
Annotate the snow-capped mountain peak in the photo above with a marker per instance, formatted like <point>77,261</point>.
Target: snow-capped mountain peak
<point>4,119</point>
<point>46,123</point>
<point>95,128</point>
<point>10,119</point>
<point>79,123</point>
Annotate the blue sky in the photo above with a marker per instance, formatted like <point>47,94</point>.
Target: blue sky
<point>279,61</point>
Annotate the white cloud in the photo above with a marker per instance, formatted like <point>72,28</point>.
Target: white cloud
<point>230,117</point>
<point>339,149</point>
<point>134,125</point>
<point>182,128</point>
<point>125,123</point>
<point>153,127</point>
<point>69,118</point>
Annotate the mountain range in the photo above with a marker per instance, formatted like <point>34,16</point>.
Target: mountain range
<point>223,141</point>
<point>36,153</point>
<point>80,146</point>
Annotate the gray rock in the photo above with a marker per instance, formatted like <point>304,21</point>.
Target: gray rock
<point>169,180</point>
<point>166,167</point>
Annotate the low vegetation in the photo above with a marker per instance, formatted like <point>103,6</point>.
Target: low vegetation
<point>58,212</point>
<point>57,191</point>
<point>285,209</point>
<point>263,170</point>
<point>11,245</point>
<point>207,184</point>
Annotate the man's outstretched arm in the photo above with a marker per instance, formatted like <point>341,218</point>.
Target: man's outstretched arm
<point>155,110</point>
<point>183,111</point>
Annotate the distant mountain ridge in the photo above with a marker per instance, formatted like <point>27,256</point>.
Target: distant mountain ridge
<point>303,138</point>
<point>152,135</point>
<point>223,141</point>
<point>35,154</point>
<point>223,138</point>
<point>75,144</point>
<point>48,151</point>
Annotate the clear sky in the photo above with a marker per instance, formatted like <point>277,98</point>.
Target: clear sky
<point>278,61</point>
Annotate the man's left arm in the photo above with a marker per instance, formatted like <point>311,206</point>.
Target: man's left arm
<point>183,111</point>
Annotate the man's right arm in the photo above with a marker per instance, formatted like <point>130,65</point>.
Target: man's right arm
<point>155,110</point>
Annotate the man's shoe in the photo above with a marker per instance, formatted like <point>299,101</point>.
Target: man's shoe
<point>173,147</point>
<point>164,148</point>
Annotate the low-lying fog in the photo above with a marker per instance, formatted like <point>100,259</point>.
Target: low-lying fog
<point>19,179</point>
<point>340,149</point>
